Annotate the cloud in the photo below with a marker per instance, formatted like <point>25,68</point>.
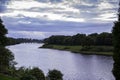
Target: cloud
<point>50,10</point>
<point>35,34</point>
<point>104,5</point>
<point>47,17</point>
<point>3,4</point>
<point>63,10</point>
<point>107,17</point>
<point>27,34</point>
<point>48,31</point>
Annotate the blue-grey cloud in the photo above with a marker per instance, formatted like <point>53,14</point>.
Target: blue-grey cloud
<point>47,17</point>
<point>52,1</point>
<point>3,4</point>
<point>52,26</point>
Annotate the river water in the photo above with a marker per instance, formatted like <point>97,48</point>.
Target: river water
<point>73,66</point>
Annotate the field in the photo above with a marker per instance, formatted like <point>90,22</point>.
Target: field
<point>94,50</point>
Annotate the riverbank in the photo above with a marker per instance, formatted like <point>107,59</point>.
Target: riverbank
<point>92,50</point>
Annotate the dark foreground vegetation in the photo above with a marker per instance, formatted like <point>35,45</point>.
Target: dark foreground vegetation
<point>99,44</point>
<point>116,42</point>
<point>8,71</point>
<point>31,74</point>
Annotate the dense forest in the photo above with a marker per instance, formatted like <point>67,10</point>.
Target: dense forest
<point>81,39</point>
<point>13,41</point>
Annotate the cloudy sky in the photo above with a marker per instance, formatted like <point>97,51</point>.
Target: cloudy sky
<point>42,18</point>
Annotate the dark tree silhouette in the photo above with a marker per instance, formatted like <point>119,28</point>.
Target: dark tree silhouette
<point>55,75</point>
<point>6,57</point>
<point>81,39</point>
<point>116,41</point>
<point>39,75</point>
<point>28,77</point>
<point>3,32</point>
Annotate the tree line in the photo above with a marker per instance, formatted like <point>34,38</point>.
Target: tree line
<point>104,38</point>
<point>13,41</point>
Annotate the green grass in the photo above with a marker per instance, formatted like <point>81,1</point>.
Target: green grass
<point>94,50</point>
<point>63,47</point>
<point>5,77</point>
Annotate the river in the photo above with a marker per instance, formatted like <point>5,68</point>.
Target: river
<point>73,66</point>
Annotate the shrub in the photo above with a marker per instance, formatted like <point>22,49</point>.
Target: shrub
<point>28,77</point>
<point>55,75</point>
<point>37,73</point>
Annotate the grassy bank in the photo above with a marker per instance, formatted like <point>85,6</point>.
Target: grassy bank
<point>94,50</point>
<point>5,77</point>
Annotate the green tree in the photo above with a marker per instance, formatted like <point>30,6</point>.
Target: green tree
<point>3,32</point>
<point>28,77</point>
<point>93,36</point>
<point>6,57</point>
<point>116,41</point>
<point>37,73</point>
<point>79,39</point>
<point>104,39</point>
<point>55,75</point>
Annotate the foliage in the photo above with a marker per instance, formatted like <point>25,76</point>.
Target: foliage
<point>54,75</point>
<point>81,39</point>
<point>104,39</point>
<point>37,73</point>
<point>5,77</point>
<point>116,41</point>
<point>34,73</point>
<point>13,41</point>
<point>82,43</point>
<point>6,57</point>
<point>3,32</point>
<point>28,77</point>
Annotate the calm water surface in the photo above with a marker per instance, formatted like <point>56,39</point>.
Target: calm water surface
<point>73,66</point>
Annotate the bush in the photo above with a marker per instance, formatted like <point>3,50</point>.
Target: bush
<point>55,75</point>
<point>28,77</point>
<point>66,48</point>
<point>47,46</point>
<point>30,74</point>
<point>37,73</point>
<point>85,48</point>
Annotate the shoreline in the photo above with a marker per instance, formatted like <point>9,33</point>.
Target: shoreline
<point>69,48</point>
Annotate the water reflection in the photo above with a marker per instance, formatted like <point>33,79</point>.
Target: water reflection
<point>73,66</point>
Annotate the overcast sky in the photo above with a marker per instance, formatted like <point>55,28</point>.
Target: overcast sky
<point>42,18</point>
